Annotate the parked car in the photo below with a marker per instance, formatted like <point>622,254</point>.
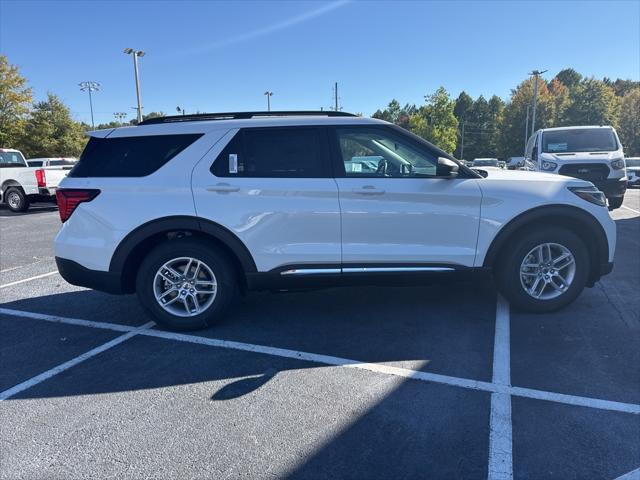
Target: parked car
<point>486,163</point>
<point>633,171</point>
<point>592,153</point>
<point>61,162</point>
<point>190,211</point>
<point>514,163</point>
<point>20,184</point>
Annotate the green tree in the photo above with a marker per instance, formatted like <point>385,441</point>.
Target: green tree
<point>569,77</point>
<point>396,114</point>
<point>436,122</point>
<point>15,99</point>
<point>622,87</point>
<point>464,102</point>
<point>629,127</point>
<point>515,115</point>
<point>593,102</point>
<point>51,132</point>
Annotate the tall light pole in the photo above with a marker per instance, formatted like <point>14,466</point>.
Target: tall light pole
<point>536,74</point>
<point>120,116</point>
<point>269,95</point>
<point>136,54</point>
<point>462,146</point>
<point>181,110</point>
<point>90,86</point>
<point>526,129</point>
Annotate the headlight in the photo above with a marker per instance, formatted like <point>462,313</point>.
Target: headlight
<point>548,166</point>
<point>591,195</point>
<point>617,164</point>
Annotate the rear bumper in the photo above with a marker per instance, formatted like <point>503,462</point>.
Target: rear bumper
<point>613,187</point>
<point>76,274</point>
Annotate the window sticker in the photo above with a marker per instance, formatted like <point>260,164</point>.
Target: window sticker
<point>233,163</point>
<point>557,147</point>
<point>356,167</point>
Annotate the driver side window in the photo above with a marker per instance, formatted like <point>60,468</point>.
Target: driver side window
<point>369,152</point>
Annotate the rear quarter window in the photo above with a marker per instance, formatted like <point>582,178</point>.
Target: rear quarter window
<point>129,156</point>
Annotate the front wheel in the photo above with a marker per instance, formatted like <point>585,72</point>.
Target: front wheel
<point>186,284</point>
<point>544,269</point>
<point>615,202</point>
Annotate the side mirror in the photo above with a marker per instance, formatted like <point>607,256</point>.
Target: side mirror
<point>446,168</point>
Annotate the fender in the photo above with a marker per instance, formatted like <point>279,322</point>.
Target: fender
<point>570,216</point>
<point>167,224</point>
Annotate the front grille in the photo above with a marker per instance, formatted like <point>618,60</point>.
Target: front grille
<point>586,171</point>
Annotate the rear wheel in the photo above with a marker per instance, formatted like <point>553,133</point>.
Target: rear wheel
<point>16,200</point>
<point>544,270</point>
<point>615,202</point>
<point>186,284</point>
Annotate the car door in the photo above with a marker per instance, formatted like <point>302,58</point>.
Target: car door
<point>396,211</point>
<point>272,188</point>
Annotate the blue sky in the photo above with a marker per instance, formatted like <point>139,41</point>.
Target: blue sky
<point>222,56</point>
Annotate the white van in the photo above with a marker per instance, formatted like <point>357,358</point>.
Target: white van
<point>592,153</point>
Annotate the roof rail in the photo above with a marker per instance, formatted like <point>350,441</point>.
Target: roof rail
<point>242,115</point>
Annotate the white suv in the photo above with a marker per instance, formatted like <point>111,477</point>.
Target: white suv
<point>189,211</point>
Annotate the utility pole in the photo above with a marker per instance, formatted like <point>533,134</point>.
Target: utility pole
<point>462,145</point>
<point>179,110</point>
<point>136,54</point>
<point>536,74</point>
<point>90,86</point>
<point>335,94</point>
<point>269,94</point>
<point>526,129</point>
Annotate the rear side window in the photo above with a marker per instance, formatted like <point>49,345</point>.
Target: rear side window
<point>129,156</point>
<point>272,152</point>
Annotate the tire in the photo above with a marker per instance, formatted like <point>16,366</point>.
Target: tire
<point>615,202</point>
<point>174,314</point>
<point>16,200</point>
<point>508,271</point>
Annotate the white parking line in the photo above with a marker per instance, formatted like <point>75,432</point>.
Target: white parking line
<point>18,282</point>
<point>500,441</point>
<point>629,208</point>
<point>71,363</point>
<point>343,362</point>
<point>634,475</point>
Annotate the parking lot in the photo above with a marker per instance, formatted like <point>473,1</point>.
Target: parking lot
<point>438,381</point>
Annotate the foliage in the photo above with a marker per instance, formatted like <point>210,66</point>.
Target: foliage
<point>436,122</point>
<point>629,129</point>
<point>15,98</point>
<point>593,102</point>
<point>51,132</point>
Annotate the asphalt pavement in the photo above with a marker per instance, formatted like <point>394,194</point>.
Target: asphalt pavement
<point>438,381</point>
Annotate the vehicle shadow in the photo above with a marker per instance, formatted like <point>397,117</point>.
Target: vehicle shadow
<point>444,329</point>
<point>34,209</point>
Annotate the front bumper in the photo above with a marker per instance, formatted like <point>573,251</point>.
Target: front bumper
<point>76,274</point>
<point>612,187</point>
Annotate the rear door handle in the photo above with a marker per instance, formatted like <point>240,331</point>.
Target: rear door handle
<point>222,187</point>
<point>368,190</point>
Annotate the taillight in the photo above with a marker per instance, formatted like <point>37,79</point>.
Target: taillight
<point>69,198</point>
<point>41,178</point>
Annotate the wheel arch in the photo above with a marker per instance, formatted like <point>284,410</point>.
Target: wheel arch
<point>574,218</point>
<point>130,251</point>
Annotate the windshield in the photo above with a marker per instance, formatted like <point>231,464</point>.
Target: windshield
<point>633,162</point>
<point>487,162</point>
<point>12,159</point>
<point>579,140</point>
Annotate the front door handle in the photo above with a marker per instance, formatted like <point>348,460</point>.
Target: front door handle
<point>368,190</point>
<point>222,187</point>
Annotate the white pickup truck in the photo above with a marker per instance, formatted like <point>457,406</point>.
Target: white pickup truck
<point>20,184</point>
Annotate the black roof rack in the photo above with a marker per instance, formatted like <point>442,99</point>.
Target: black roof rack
<point>242,115</point>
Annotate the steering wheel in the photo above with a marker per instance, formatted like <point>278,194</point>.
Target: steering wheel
<point>382,167</point>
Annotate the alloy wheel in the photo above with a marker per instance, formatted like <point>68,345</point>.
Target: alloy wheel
<point>185,286</point>
<point>547,271</point>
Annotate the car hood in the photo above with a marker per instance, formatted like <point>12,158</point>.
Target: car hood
<point>529,176</point>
